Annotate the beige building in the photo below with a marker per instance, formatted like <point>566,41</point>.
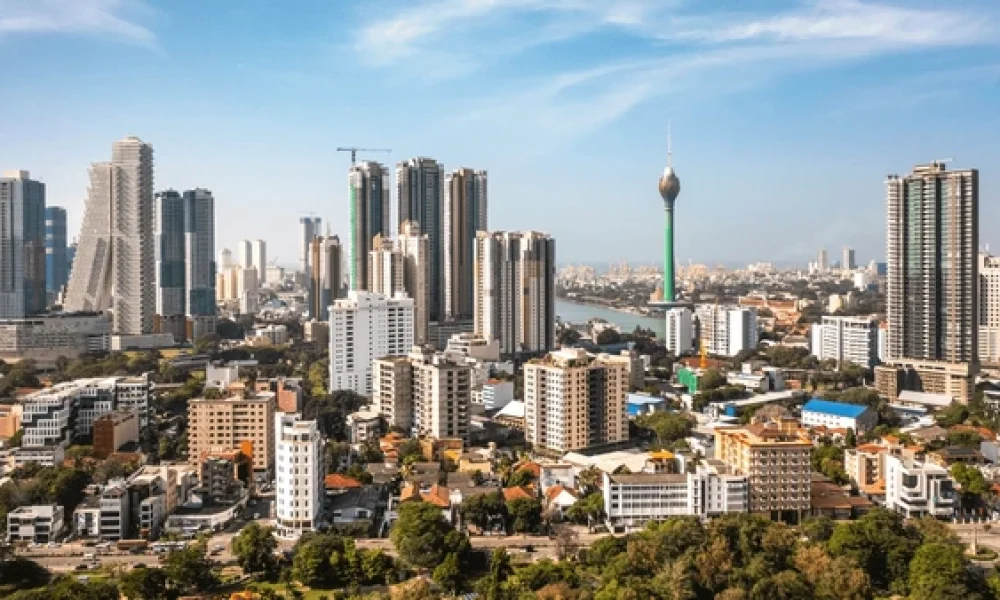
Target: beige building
<point>233,423</point>
<point>426,393</point>
<point>955,380</point>
<point>574,400</point>
<point>775,457</point>
<point>403,265</point>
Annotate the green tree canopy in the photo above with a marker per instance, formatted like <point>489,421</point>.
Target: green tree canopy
<point>423,537</point>
<point>254,548</point>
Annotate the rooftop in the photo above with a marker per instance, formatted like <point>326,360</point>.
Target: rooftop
<point>838,409</point>
<point>647,478</point>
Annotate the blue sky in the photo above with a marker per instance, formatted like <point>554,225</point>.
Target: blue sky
<point>786,116</point>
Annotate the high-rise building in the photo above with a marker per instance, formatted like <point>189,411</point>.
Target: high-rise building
<point>370,198</point>
<point>225,259</point>
<point>847,340</point>
<point>726,330</point>
<point>247,290</point>
<point>989,309</point>
<point>775,456</point>
<point>515,290</point>
<point>402,267</point>
<point>56,261</point>
<point>299,490</point>
<point>822,261</point>
<point>309,229</point>
<point>326,282</point>
<point>231,423</point>
<point>168,235</point>
<point>258,250</point>
<point>465,214</point>
<point>199,262</point>
<point>365,326</point>
<point>420,185</point>
<point>22,245</point>
<point>847,259</point>
<point>244,253</point>
<point>670,187</point>
<point>679,331</point>
<point>115,264</point>
<point>932,297</point>
<point>426,393</point>
<point>573,400</point>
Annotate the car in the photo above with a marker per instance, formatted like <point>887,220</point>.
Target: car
<point>218,547</point>
<point>139,566</point>
<point>256,515</point>
<point>81,567</point>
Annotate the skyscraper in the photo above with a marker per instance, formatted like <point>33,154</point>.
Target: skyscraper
<point>168,233</point>
<point>370,198</point>
<point>115,265</point>
<point>847,260</point>
<point>822,261</point>
<point>932,281</point>
<point>420,185</point>
<point>199,262</point>
<point>465,214</point>
<point>326,280</point>
<point>989,309</point>
<point>402,267</point>
<point>56,261</point>
<point>22,245</point>
<point>258,250</point>
<point>365,326</point>
<point>309,229</point>
<point>515,290</point>
<point>244,254</point>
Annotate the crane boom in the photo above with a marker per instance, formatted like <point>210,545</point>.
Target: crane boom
<point>354,151</point>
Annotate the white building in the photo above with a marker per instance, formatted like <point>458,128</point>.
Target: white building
<point>258,252</point>
<point>425,392</point>
<point>918,489</point>
<point>299,488</point>
<point>247,290</point>
<point>364,426</point>
<point>115,513</point>
<point>514,296</point>
<point>846,340</point>
<point>633,500</point>
<point>38,524</point>
<point>403,266</point>
<point>365,326</point>
<point>496,393</point>
<point>474,346</point>
<point>727,330</point>
<point>269,335</point>
<point>839,415</point>
<point>679,333</point>
<point>989,309</point>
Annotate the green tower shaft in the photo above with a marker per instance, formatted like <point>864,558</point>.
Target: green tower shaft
<point>668,255</point>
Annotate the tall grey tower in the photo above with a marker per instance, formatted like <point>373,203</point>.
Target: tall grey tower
<point>309,229</point>
<point>199,262</point>
<point>465,214</point>
<point>114,267</point>
<point>22,245</point>
<point>168,233</point>
<point>370,197</point>
<point>931,290</point>
<point>420,185</point>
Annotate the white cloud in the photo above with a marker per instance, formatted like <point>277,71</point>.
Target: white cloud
<point>106,18</point>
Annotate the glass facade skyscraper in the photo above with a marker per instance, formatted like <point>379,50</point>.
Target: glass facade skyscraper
<point>56,259</point>
<point>22,245</point>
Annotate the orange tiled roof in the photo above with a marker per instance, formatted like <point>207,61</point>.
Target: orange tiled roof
<point>438,495</point>
<point>516,493</point>
<point>871,448</point>
<point>985,432</point>
<point>554,491</point>
<point>530,466</point>
<point>338,481</point>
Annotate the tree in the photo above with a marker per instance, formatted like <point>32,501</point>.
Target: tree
<point>525,514</point>
<point>974,485</point>
<point>520,478</point>
<point>818,529</point>
<point>939,571</point>
<point>955,414</point>
<point>711,379</point>
<point>484,510</point>
<point>190,570</point>
<point>567,542</point>
<point>880,544</point>
<point>668,427</point>
<point>254,549</point>
<point>448,574</point>
<point>608,337</point>
<point>587,510</point>
<point>144,584</point>
<point>422,537</point>
<point>567,337</point>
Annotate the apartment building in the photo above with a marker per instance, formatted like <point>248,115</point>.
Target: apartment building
<point>847,340</point>
<point>865,466</point>
<point>918,489</point>
<point>775,457</point>
<point>633,500</point>
<point>230,423</point>
<point>425,392</point>
<point>114,430</point>
<point>363,327</point>
<point>299,490</point>
<point>38,524</point>
<point>115,513</point>
<point>726,330</point>
<point>574,400</point>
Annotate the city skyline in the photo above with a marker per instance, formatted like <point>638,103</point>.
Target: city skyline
<point>749,93</point>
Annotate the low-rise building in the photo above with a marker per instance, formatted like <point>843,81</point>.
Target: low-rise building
<point>45,338</point>
<point>917,489</point>
<point>40,524</point>
<point>496,393</point>
<point>114,430</point>
<point>115,513</point>
<point>223,424</point>
<point>364,426</point>
<point>641,403</point>
<point>839,415</point>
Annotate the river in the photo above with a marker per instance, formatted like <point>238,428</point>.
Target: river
<point>581,313</point>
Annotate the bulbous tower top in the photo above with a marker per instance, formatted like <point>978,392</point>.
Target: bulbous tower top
<point>670,185</point>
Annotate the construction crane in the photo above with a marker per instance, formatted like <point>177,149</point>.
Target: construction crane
<point>354,151</point>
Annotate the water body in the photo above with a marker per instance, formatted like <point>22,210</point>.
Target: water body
<point>581,313</point>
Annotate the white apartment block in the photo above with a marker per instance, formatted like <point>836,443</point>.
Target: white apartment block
<point>258,252</point>
<point>299,490</point>
<point>679,332</point>
<point>847,340</point>
<point>363,327</point>
<point>402,266</point>
<point>425,392</point>
<point>39,524</point>
<point>44,338</point>
<point>574,400</point>
<point>918,489</point>
<point>514,295</point>
<point>989,309</point>
<point>497,393</point>
<point>727,330</point>
<point>55,415</point>
<point>633,500</point>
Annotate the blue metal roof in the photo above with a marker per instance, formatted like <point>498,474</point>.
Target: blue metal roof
<point>839,409</point>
